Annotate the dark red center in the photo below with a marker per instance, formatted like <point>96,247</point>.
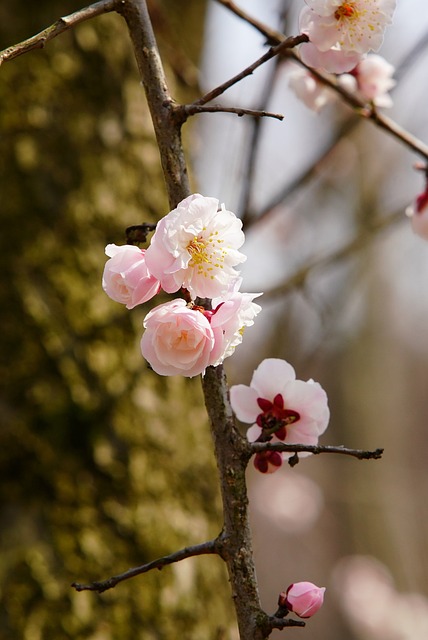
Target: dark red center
<point>274,418</point>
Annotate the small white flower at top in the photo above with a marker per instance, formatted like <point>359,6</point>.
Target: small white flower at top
<point>195,246</point>
<point>282,409</point>
<point>357,25</point>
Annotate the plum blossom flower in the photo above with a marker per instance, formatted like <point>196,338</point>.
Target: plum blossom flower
<point>418,213</point>
<point>282,409</point>
<point>177,340</point>
<point>126,278</point>
<point>357,25</point>
<point>374,78</point>
<point>312,93</point>
<point>228,321</point>
<point>302,598</point>
<point>196,246</point>
<point>334,60</point>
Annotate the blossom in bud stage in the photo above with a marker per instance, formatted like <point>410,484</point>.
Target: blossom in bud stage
<point>418,213</point>
<point>126,278</point>
<point>302,598</point>
<point>196,246</point>
<point>312,93</point>
<point>333,60</point>
<point>177,340</point>
<point>357,25</point>
<point>282,409</point>
<point>374,78</point>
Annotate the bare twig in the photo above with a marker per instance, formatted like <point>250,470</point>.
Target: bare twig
<point>192,109</point>
<point>205,548</point>
<point>298,278</point>
<point>272,35</point>
<point>284,45</point>
<point>62,24</point>
<point>260,447</point>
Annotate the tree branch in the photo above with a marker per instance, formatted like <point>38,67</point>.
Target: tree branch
<point>284,45</point>
<point>260,447</point>
<point>231,454</point>
<point>205,548</point>
<point>192,109</point>
<point>60,26</point>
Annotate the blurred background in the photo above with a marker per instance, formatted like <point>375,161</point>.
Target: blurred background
<point>105,465</point>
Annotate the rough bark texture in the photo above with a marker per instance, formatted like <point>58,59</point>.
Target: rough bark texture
<point>167,129</point>
<point>230,448</point>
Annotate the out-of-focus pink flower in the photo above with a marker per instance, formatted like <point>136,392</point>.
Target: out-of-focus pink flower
<point>126,278</point>
<point>334,60</point>
<point>418,213</point>
<point>312,93</point>
<point>177,340</point>
<point>281,407</point>
<point>374,78</point>
<point>302,598</point>
<point>357,25</point>
<point>196,246</point>
<point>228,321</point>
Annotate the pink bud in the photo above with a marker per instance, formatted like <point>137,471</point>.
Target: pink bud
<point>303,598</point>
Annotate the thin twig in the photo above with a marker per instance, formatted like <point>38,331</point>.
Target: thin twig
<point>298,278</point>
<point>260,447</point>
<point>62,24</point>
<point>205,548</point>
<point>284,45</point>
<point>192,109</point>
<point>272,35</point>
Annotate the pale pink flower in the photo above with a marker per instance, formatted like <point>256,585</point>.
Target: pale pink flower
<point>282,408</point>
<point>357,25</point>
<point>302,598</point>
<point>196,246</point>
<point>418,213</point>
<point>228,320</point>
<point>177,340</point>
<point>312,93</point>
<point>374,78</point>
<point>126,278</point>
<point>334,60</point>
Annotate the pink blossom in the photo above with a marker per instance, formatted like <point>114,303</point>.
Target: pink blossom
<point>312,93</point>
<point>334,60</point>
<point>418,213</point>
<point>374,78</point>
<point>357,25</point>
<point>303,598</point>
<point>282,408</point>
<point>228,321</point>
<point>126,278</point>
<point>177,340</point>
<point>196,246</point>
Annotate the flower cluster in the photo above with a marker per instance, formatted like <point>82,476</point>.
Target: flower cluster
<point>194,248</point>
<point>281,408</point>
<point>340,36</point>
